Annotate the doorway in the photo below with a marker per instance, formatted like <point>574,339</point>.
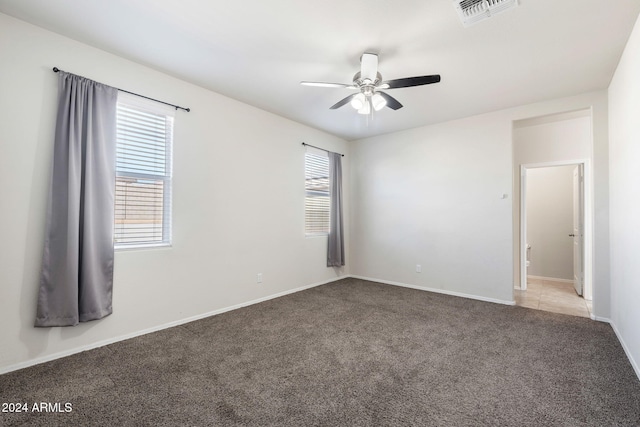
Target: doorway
<point>555,238</point>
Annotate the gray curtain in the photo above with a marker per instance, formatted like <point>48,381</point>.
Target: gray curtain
<point>77,267</point>
<point>335,252</point>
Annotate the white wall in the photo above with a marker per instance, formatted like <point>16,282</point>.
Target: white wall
<point>237,207</point>
<point>550,221</point>
<point>552,138</point>
<point>624,113</point>
<point>432,196</point>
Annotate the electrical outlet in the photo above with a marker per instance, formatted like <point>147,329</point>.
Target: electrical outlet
<point>418,268</point>
<point>259,278</point>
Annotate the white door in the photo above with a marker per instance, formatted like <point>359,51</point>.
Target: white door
<point>578,227</point>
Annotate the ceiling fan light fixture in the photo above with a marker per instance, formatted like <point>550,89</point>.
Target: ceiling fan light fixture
<point>358,101</point>
<point>366,108</point>
<point>378,102</point>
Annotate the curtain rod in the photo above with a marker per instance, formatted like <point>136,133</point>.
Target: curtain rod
<point>56,69</point>
<point>322,149</point>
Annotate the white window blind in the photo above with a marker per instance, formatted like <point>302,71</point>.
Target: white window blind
<point>143,174</point>
<point>317,202</point>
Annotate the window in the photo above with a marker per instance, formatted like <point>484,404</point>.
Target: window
<point>316,202</point>
<point>143,174</point>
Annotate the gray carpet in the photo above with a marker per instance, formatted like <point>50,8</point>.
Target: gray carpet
<point>350,353</point>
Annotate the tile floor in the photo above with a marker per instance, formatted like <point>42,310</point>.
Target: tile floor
<point>551,295</point>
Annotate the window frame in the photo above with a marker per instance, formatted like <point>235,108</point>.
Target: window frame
<point>319,153</point>
<point>150,107</point>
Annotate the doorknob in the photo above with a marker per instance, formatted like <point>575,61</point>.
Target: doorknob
<point>572,235</point>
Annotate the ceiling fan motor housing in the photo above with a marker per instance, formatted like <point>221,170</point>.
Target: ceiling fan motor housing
<point>359,82</point>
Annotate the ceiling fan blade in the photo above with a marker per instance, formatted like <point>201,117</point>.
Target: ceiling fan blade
<point>323,84</point>
<point>392,103</point>
<point>369,66</point>
<point>343,101</point>
<point>411,81</point>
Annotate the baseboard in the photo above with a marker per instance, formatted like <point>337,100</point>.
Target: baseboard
<point>600,319</point>
<point>553,279</point>
<point>54,356</point>
<point>439,291</point>
<point>633,362</point>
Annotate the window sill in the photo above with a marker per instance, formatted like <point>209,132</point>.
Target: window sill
<point>126,248</point>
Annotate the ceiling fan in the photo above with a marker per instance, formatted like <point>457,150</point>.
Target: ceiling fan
<point>369,84</point>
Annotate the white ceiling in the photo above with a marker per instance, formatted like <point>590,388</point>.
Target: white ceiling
<point>258,51</point>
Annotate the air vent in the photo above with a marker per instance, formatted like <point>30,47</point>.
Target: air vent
<point>473,11</point>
